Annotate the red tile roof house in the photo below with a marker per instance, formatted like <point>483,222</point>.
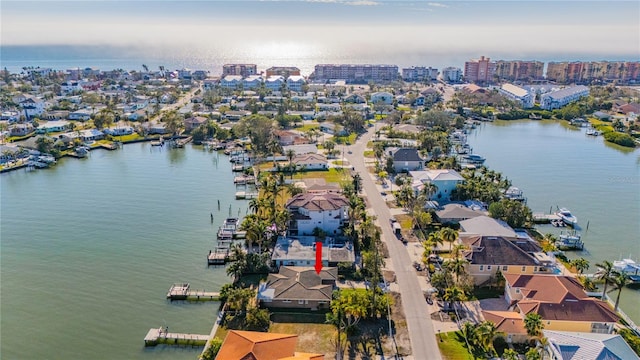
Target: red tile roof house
<point>559,300</point>
<point>253,345</point>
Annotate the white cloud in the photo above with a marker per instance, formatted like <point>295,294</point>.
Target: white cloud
<point>435,4</point>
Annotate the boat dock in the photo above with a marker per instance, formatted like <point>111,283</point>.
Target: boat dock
<point>160,335</point>
<point>219,256</point>
<point>179,143</point>
<point>245,179</point>
<point>246,195</point>
<point>182,291</point>
<point>540,218</point>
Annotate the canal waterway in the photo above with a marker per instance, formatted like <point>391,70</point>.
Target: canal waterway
<point>90,247</point>
<point>559,166</point>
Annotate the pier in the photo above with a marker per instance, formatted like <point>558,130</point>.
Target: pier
<point>160,335</point>
<point>246,195</point>
<point>218,256</point>
<point>540,218</point>
<point>245,179</point>
<point>182,291</point>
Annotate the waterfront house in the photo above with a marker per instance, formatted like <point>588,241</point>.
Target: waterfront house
<point>53,126</point>
<point>454,213</point>
<point>119,131</point>
<point>560,98</point>
<point>298,287</point>
<point>486,226</point>
<point>8,153</point>
<point>327,212</point>
<point>559,300</point>
<point>564,345</point>
<point>518,94</point>
<point>301,251</point>
<point>20,129</point>
<point>488,254</point>
<point>193,122</point>
<point>444,180</point>
<point>311,162</point>
<point>254,345</point>
<point>406,159</point>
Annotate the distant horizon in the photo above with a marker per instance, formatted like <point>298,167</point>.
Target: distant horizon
<point>285,32</point>
<point>63,57</point>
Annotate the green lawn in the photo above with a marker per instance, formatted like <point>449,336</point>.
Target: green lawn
<point>453,347</point>
<point>333,175</point>
<point>346,139</point>
<point>307,127</point>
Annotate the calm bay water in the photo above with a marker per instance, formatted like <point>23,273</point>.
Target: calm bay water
<point>90,247</point>
<point>556,165</point>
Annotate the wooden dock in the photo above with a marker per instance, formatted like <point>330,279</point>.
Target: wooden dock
<point>219,256</point>
<point>243,180</point>
<point>246,195</point>
<point>540,218</point>
<point>160,335</point>
<point>182,291</point>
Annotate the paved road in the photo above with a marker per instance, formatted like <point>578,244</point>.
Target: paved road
<point>421,333</point>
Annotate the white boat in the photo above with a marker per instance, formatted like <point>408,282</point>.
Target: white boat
<point>592,132</point>
<point>569,240</point>
<point>514,193</point>
<point>567,217</point>
<point>228,229</point>
<point>629,267</point>
<point>473,158</point>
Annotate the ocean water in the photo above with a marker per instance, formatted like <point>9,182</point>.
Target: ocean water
<point>90,247</point>
<point>559,166</point>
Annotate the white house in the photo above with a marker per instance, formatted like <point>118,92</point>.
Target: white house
<point>326,211</point>
<point>560,98</point>
<point>32,106</point>
<point>70,86</point>
<point>84,135</point>
<point>445,181</point>
<point>382,97</point>
<point>518,94</point>
<point>53,126</point>
<point>231,81</point>
<point>119,131</point>
<point>80,115</point>
<point>311,162</point>
<point>295,83</point>
<point>274,82</point>
<point>252,82</point>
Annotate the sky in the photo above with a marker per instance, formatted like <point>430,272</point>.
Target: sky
<point>277,28</point>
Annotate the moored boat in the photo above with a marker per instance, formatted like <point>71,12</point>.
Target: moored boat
<point>570,240</point>
<point>567,217</point>
<point>473,158</point>
<point>628,267</point>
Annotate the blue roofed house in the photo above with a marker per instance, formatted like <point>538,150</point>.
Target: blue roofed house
<point>563,345</point>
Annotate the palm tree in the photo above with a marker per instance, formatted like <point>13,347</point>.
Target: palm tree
<point>457,266</point>
<point>619,280</point>
<point>487,331</point>
<point>290,155</point>
<point>604,274</point>
<point>533,324</point>
<point>449,235</point>
<point>580,264</point>
<point>453,294</point>
<point>435,237</point>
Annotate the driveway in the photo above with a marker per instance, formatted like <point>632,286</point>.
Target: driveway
<point>416,310</point>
